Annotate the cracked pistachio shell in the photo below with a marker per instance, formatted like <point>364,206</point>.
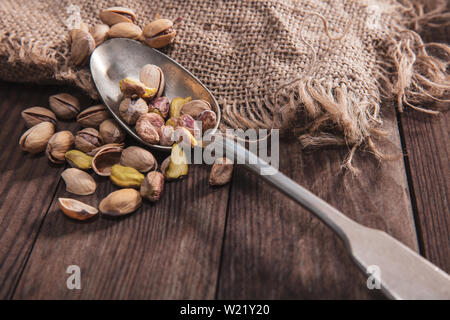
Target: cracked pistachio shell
<point>78,182</point>
<point>152,186</point>
<point>105,158</point>
<point>121,202</point>
<point>82,46</point>
<point>138,158</point>
<point>58,145</point>
<point>125,30</point>
<point>35,115</point>
<point>159,33</point>
<point>108,145</point>
<point>87,139</point>
<point>93,116</point>
<point>78,159</point>
<point>76,209</point>
<point>100,33</point>
<point>194,108</point>
<point>64,105</point>
<point>126,177</point>
<point>153,77</point>
<point>111,132</point>
<point>35,139</point>
<point>130,109</point>
<point>221,172</point>
<point>114,15</point>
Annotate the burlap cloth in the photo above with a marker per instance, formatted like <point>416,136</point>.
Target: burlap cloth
<point>245,50</point>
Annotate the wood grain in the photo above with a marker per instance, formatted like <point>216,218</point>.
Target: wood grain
<point>27,183</point>
<point>167,250</point>
<point>274,249</point>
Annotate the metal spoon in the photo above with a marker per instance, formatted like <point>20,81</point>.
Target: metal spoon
<point>403,274</point>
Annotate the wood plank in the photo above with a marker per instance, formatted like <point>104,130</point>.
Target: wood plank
<point>426,141</point>
<point>27,183</point>
<point>167,250</point>
<point>274,249</point>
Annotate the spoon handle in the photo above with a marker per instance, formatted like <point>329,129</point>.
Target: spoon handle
<point>401,272</point>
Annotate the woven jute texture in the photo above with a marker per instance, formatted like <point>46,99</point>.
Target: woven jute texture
<point>332,77</point>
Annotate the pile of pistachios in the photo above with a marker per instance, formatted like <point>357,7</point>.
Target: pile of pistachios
<point>118,22</point>
<point>100,148</point>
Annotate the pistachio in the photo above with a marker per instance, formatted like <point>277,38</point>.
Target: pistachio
<point>87,139</point>
<point>176,104</point>
<point>93,116</point>
<point>176,165</point>
<point>194,108</point>
<point>221,172</point>
<point>184,137</point>
<point>130,109</point>
<point>105,158</point>
<point>208,119</point>
<point>35,115</point>
<point>58,145</point>
<point>131,88</point>
<point>78,159</point>
<point>173,122</point>
<point>82,46</point>
<point>35,139</point>
<point>78,182</point>
<point>126,177</point>
<point>153,77</point>
<point>108,145</point>
<point>148,127</point>
<point>114,15</point>
<point>152,186</point>
<point>159,33</point>
<point>100,33</point>
<point>125,30</point>
<point>64,105</point>
<point>111,132</point>
<point>76,209</point>
<point>189,123</point>
<point>160,106</point>
<point>121,202</point>
<point>138,158</point>
<point>167,136</point>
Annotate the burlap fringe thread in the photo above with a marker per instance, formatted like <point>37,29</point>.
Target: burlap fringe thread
<point>407,71</point>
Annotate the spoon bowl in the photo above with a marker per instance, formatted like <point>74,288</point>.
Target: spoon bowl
<point>119,58</point>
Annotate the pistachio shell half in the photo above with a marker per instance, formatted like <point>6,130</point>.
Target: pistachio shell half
<point>121,202</point>
<point>78,182</point>
<point>35,115</point>
<point>105,158</point>
<point>76,209</point>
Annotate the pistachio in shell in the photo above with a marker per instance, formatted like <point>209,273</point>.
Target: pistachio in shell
<point>87,139</point>
<point>92,117</point>
<point>100,33</point>
<point>138,158</point>
<point>159,33</point>
<point>105,158</point>
<point>152,186</point>
<point>111,132</point>
<point>160,106</point>
<point>35,139</point>
<point>76,209</point>
<point>82,46</point>
<point>78,182</point>
<point>194,108</point>
<point>121,202</point>
<point>35,115</point>
<point>131,109</point>
<point>64,105</point>
<point>58,145</point>
<point>125,30</point>
<point>114,15</point>
<point>78,159</point>
<point>153,77</point>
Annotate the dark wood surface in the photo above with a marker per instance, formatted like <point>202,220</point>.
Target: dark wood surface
<point>244,240</point>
